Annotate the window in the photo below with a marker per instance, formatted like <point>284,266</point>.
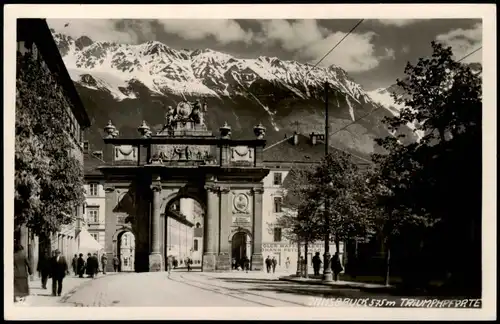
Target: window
<point>93,215</point>
<point>198,225</point>
<point>277,179</point>
<point>125,262</point>
<point>95,236</point>
<point>277,204</point>
<point>195,245</point>
<point>277,234</point>
<point>93,189</point>
<point>125,240</point>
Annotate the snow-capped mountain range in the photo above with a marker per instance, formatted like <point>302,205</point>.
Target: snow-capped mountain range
<point>199,72</point>
<point>111,76</point>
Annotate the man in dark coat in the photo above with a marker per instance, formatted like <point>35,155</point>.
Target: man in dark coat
<point>90,267</point>
<point>246,263</point>
<point>316,261</point>
<point>95,259</point>
<point>58,270</point>
<point>268,264</point>
<point>44,268</point>
<point>336,266</point>
<point>274,263</point>
<point>74,264</point>
<point>21,271</point>
<point>104,263</point>
<point>80,265</point>
<point>116,263</point>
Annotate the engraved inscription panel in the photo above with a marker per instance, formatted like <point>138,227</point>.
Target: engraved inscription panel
<point>125,153</point>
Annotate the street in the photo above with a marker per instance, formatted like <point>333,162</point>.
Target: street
<point>198,289</point>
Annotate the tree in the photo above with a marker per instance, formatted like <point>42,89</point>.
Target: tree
<point>435,184</point>
<point>339,180</point>
<point>299,220</point>
<point>48,178</point>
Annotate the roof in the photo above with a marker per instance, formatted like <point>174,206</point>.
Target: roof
<point>37,31</point>
<point>91,164</point>
<point>304,151</point>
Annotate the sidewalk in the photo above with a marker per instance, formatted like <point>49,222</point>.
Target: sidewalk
<point>338,284</point>
<point>40,297</point>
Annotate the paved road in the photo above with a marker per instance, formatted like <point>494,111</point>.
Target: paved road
<point>196,289</point>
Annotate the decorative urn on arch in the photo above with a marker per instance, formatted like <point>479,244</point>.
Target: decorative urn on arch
<point>259,131</point>
<point>111,130</point>
<point>225,131</point>
<point>144,130</point>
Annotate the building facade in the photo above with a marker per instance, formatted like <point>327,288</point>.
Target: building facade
<point>182,231</point>
<point>35,40</point>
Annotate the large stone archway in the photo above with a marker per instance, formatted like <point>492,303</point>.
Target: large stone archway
<point>185,160</point>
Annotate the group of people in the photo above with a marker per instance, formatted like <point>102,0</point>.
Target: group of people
<point>243,264</point>
<point>271,264</point>
<point>335,264</point>
<point>90,266</point>
<point>54,267</point>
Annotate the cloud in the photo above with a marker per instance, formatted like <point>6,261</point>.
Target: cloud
<point>293,36</point>
<point>397,22</point>
<point>463,42</point>
<point>223,30</point>
<point>96,29</point>
<point>356,53</point>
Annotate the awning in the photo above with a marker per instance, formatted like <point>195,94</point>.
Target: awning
<point>87,244</point>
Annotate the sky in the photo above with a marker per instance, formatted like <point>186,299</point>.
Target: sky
<point>374,54</point>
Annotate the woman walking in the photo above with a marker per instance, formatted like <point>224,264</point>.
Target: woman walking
<point>22,270</point>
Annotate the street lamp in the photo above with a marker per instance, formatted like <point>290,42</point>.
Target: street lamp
<point>327,272</point>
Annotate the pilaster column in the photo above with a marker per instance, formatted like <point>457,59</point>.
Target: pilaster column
<point>155,257</point>
<point>257,260</point>
<point>211,235</point>
<point>223,261</point>
<point>110,221</point>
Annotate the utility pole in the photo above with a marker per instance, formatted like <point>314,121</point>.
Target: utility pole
<point>327,272</point>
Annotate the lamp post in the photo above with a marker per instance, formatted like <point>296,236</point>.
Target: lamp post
<point>327,272</point>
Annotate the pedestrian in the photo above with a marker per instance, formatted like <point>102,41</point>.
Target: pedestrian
<point>74,264</point>
<point>316,261</point>
<point>104,263</point>
<point>43,268</point>
<point>287,263</point>
<point>188,263</point>
<point>58,270</point>
<point>170,264</point>
<point>80,266</point>
<point>22,270</point>
<point>233,263</point>
<point>246,263</point>
<point>336,266</point>
<point>90,266</point>
<point>268,264</point>
<point>95,259</point>
<point>116,263</point>
<point>274,263</point>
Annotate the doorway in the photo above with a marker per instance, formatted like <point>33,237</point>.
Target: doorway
<point>126,251</point>
<point>240,246</point>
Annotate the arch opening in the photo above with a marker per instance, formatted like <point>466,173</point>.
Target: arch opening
<point>184,223</point>
<point>125,251</point>
<point>240,247</point>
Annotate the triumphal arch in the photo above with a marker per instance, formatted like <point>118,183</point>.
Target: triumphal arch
<point>145,175</point>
